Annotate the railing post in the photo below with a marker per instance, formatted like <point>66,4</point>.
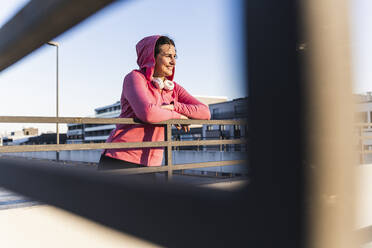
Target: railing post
<point>168,150</point>
<point>361,145</point>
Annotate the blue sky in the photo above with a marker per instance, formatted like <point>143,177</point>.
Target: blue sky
<point>97,54</point>
<point>361,40</point>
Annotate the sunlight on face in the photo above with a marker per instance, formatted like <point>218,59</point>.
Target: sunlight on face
<point>165,61</point>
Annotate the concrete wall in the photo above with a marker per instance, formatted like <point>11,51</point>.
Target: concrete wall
<point>368,158</point>
<point>91,156</point>
<point>183,157</point>
<point>179,157</point>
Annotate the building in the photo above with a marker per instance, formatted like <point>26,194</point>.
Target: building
<point>93,133</point>
<point>30,131</point>
<point>18,137</point>
<point>75,133</point>
<point>364,107</point>
<point>230,110</point>
<point>98,133</point>
<point>364,115</point>
<point>46,138</point>
<point>224,110</point>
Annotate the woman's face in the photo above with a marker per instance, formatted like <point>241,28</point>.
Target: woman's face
<point>165,61</point>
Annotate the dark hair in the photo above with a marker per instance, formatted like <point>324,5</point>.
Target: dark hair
<point>162,41</point>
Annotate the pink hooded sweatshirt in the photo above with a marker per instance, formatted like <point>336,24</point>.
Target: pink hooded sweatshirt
<point>141,99</point>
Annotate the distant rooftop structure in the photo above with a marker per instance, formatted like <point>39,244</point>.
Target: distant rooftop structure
<point>17,137</point>
<point>211,99</point>
<point>234,109</point>
<point>25,132</point>
<point>364,97</point>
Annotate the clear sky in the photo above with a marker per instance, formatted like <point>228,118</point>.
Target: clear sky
<point>361,44</point>
<point>97,54</point>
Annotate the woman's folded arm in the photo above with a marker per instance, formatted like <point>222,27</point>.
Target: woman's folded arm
<point>136,92</point>
<point>190,106</point>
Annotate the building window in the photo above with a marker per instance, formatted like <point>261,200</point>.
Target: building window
<point>215,112</point>
<point>361,117</point>
<point>237,133</point>
<point>239,109</point>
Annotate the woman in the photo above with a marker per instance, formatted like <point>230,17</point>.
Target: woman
<point>150,95</point>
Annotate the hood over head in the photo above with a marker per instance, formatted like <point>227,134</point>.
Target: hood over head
<point>145,56</point>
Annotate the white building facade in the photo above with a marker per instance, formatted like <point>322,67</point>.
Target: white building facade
<point>364,115</point>
<point>18,137</point>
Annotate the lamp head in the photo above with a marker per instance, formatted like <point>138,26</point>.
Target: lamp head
<point>53,43</point>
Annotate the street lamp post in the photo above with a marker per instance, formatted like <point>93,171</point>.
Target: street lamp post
<point>52,43</point>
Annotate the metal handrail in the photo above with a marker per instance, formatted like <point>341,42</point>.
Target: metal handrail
<point>361,126</point>
<point>168,143</point>
<point>94,146</point>
<point>87,120</point>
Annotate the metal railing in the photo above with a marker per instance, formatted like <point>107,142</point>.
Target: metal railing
<point>361,129</point>
<point>168,143</point>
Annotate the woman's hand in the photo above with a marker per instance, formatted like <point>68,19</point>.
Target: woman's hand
<point>169,107</point>
<point>185,127</point>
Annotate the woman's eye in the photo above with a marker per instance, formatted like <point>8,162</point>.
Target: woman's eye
<point>171,56</point>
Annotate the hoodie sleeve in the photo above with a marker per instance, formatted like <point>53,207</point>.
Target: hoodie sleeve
<point>136,92</point>
<point>190,106</point>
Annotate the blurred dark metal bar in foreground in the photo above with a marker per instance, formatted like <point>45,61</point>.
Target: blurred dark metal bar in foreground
<point>331,161</point>
<point>171,215</point>
<point>39,22</point>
